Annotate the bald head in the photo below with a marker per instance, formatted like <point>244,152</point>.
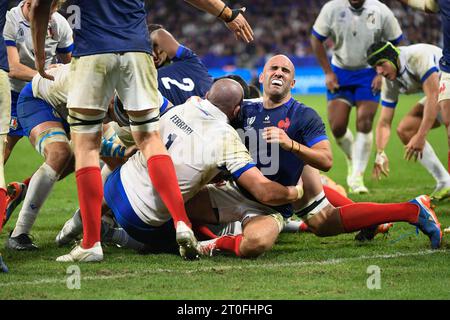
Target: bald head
<point>225,94</point>
<point>278,79</point>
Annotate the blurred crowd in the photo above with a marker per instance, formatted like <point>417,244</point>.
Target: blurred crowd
<point>280,26</point>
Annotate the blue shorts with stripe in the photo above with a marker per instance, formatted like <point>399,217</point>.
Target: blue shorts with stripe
<point>354,85</point>
<point>15,128</point>
<point>157,239</point>
<point>33,111</point>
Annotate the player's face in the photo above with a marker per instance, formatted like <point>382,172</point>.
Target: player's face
<point>278,78</point>
<point>387,70</point>
<point>356,3</point>
<point>159,57</point>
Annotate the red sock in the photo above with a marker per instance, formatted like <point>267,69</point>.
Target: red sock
<point>3,194</point>
<point>364,214</point>
<point>448,162</point>
<point>27,181</point>
<point>335,198</point>
<point>229,243</point>
<point>204,231</point>
<point>90,197</point>
<point>304,227</point>
<point>164,179</point>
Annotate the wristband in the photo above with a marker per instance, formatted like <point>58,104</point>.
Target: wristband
<point>234,14</point>
<point>380,158</point>
<point>300,191</point>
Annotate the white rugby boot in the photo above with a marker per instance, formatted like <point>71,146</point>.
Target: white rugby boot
<point>79,254</point>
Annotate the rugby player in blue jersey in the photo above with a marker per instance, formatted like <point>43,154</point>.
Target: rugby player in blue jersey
<point>287,140</point>
<point>5,109</point>
<point>181,73</point>
<point>113,53</point>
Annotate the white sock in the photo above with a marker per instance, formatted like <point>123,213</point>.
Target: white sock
<point>434,166</point>
<point>40,187</point>
<point>120,237</point>
<point>293,226</point>
<point>106,171</point>
<point>2,160</point>
<point>346,143</point>
<point>361,152</point>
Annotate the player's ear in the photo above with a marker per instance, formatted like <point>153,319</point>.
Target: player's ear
<point>293,83</point>
<point>261,77</point>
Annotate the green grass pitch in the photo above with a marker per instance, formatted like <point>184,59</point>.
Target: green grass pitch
<point>300,266</point>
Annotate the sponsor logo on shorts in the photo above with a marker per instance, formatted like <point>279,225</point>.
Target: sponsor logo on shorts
<point>14,123</point>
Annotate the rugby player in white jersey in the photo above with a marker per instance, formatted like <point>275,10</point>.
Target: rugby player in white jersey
<point>202,144</point>
<point>5,103</point>
<point>58,47</point>
<point>407,70</point>
<point>120,44</point>
<point>42,111</point>
<point>353,26</point>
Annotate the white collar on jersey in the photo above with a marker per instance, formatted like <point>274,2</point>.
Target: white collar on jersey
<point>211,109</point>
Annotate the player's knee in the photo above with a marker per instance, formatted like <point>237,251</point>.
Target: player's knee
<point>338,129</point>
<point>58,157</point>
<point>254,246</point>
<point>403,134</point>
<point>364,124</point>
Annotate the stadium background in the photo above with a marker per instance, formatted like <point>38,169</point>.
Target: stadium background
<point>299,266</point>
<point>280,26</point>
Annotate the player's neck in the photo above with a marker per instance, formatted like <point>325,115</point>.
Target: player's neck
<point>270,103</point>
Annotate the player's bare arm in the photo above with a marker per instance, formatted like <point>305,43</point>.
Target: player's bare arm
<point>164,40</point>
<point>331,80</point>
<point>266,191</point>
<point>383,133</point>
<point>18,70</point>
<point>318,156</point>
<point>40,14</point>
<point>234,19</point>
<point>415,146</point>
<point>430,6</point>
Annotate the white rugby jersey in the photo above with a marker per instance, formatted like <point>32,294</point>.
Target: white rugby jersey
<point>17,32</point>
<point>353,31</point>
<point>201,143</point>
<point>417,63</point>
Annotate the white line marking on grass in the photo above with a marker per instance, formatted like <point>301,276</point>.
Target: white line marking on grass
<point>227,268</point>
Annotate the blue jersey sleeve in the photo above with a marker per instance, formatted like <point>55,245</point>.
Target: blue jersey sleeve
<point>312,130</point>
<point>183,53</point>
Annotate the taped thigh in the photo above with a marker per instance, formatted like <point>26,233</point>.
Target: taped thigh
<point>314,206</point>
<point>147,123</point>
<point>49,136</point>
<point>81,123</point>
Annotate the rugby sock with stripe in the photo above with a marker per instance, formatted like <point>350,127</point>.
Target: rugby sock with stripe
<point>357,216</point>
<point>230,244</point>
<point>434,166</point>
<point>164,179</point>
<point>346,143</point>
<point>41,184</point>
<point>90,197</point>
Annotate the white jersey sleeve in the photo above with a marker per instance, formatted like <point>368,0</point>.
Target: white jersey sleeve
<point>321,27</point>
<point>391,27</point>
<point>65,34</point>
<point>9,31</point>
<point>234,156</point>
<point>389,93</point>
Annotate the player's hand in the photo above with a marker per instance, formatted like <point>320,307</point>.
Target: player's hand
<point>381,166</point>
<point>376,83</point>
<point>40,67</point>
<point>331,81</point>
<point>130,151</point>
<point>277,135</point>
<point>414,148</point>
<point>240,27</point>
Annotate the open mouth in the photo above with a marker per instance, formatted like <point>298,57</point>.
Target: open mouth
<point>277,83</point>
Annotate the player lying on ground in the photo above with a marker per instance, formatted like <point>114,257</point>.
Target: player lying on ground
<point>409,70</point>
<point>261,223</point>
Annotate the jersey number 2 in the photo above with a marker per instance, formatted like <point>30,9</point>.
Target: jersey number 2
<point>187,85</point>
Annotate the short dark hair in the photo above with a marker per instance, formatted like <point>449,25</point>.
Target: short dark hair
<point>153,27</point>
<point>253,92</point>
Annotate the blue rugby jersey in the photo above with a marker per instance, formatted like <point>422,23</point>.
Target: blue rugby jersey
<point>185,77</point>
<point>301,123</point>
<point>3,57</point>
<point>111,27</point>
<point>445,15</point>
